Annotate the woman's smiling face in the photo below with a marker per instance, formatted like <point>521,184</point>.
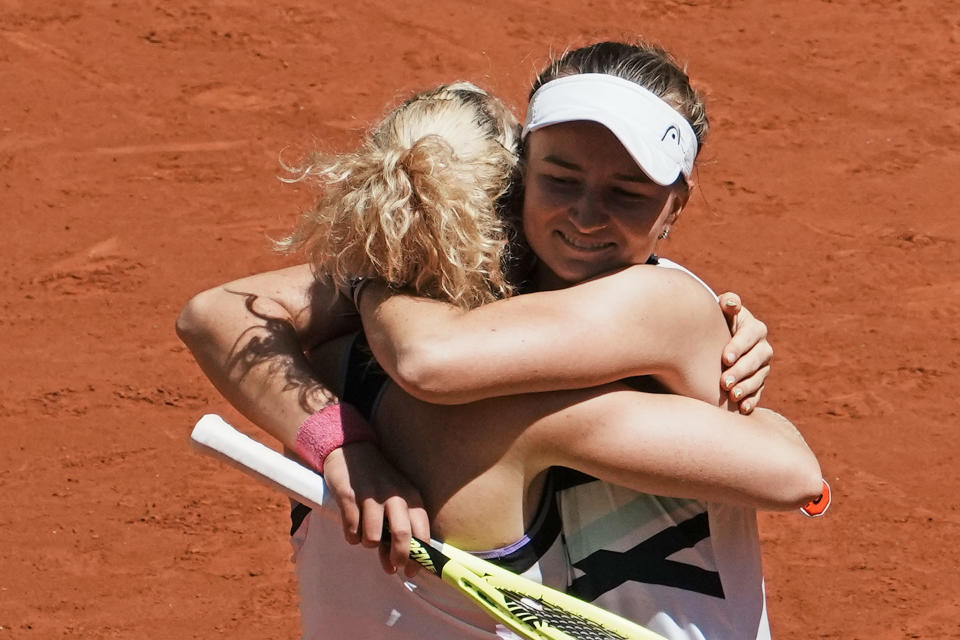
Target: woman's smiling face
<point>588,208</point>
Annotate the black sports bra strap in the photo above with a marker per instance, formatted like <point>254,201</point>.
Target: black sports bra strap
<point>364,378</point>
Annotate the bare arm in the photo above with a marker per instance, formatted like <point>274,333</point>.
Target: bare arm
<point>249,337</point>
<point>670,445</point>
<point>641,320</point>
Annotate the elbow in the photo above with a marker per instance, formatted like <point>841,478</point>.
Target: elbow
<point>426,373</point>
<point>810,486</point>
<point>799,484</point>
<point>193,324</point>
<point>793,478</point>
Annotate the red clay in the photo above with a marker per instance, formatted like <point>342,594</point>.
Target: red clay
<point>138,154</point>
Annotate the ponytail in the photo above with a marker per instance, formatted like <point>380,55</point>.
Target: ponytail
<point>417,205</point>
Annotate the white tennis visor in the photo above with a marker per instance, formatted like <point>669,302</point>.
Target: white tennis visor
<point>655,134</point>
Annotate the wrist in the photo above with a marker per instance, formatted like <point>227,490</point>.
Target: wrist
<point>357,285</point>
<point>328,430</point>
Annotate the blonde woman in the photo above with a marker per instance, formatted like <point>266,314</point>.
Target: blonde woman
<point>482,468</point>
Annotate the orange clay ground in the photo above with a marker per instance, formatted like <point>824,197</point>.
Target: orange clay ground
<point>139,146</point>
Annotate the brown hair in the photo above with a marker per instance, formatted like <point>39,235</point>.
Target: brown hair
<point>643,63</point>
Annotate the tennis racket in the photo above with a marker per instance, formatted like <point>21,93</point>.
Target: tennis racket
<point>529,608</point>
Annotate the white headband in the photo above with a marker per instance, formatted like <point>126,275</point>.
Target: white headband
<point>654,133</point>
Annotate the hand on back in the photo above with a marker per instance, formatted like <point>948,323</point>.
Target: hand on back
<point>746,358</point>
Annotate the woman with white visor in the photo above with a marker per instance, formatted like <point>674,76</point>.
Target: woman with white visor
<point>611,136</point>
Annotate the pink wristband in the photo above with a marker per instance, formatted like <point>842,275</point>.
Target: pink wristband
<point>329,429</point>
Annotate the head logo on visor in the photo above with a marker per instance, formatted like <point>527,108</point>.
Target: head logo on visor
<point>658,138</point>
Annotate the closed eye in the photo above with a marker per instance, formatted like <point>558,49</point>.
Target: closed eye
<point>629,195</point>
<point>560,184</point>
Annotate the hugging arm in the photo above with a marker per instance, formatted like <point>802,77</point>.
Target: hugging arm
<point>680,447</point>
<point>642,320</point>
<point>249,337</point>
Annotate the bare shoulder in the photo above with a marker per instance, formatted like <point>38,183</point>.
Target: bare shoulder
<point>681,315</point>
<point>670,286</point>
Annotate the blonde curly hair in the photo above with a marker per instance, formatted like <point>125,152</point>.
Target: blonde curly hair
<point>418,204</point>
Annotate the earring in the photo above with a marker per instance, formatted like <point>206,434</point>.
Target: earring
<point>663,234</point>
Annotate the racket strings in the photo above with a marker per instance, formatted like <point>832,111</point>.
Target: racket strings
<point>536,613</point>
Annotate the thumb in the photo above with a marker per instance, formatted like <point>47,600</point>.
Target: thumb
<point>730,303</point>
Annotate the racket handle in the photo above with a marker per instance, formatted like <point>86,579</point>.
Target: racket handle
<point>213,436</point>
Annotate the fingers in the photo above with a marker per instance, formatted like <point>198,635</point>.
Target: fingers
<point>371,522</point>
<point>389,525</point>
<point>750,339</point>
<point>337,478</point>
<point>371,494</point>
<point>420,528</point>
<point>749,403</point>
<point>749,373</point>
<point>419,522</point>
<point>350,520</point>
<point>383,552</point>
<point>398,518</point>
<point>747,357</point>
<point>744,378</point>
<point>403,521</point>
<point>406,518</point>
<point>730,303</point>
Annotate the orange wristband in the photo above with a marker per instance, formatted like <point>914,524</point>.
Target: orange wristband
<point>818,507</point>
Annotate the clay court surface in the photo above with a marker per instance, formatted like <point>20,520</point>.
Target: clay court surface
<point>139,146</point>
